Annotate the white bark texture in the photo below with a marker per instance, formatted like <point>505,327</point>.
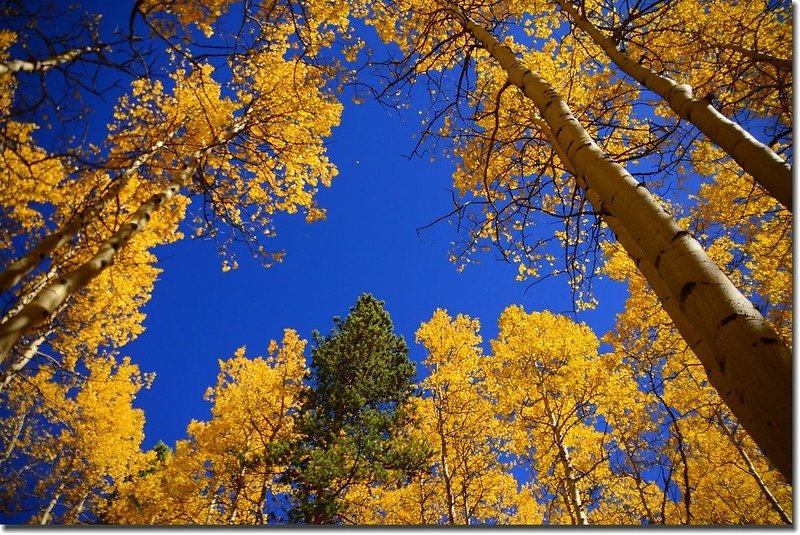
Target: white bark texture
<point>744,358</point>
<point>762,163</point>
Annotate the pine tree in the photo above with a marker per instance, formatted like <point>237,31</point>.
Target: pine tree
<point>352,418</point>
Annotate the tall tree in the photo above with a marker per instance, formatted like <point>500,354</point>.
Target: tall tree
<point>551,383</point>
<point>469,481</point>
<point>768,169</point>
<point>353,415</point>
<point>706,464</point>
<point>745,359</point>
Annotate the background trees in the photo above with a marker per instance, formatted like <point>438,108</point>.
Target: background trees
<point>629,437</point>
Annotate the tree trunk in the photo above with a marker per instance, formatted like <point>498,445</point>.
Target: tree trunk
<point>13,371</point>
<point>46,301</point>
<point>754,472</point>
<point>745,359</point>
<point>46,514</point>
<point>448,483</point>
<point>757,159</point>
<point>17,65</point>
<point>18,269</point>
<point>15,439</point>
<point>570,474</point>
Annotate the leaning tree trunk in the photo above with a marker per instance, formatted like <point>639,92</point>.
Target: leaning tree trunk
<point>47,300</point>
<point>743,356</point>
<point>18,269</point>
<point>757,159</point>
<point>18,65</point>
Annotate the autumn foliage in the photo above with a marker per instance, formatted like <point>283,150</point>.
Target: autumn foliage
<point>650,143</point>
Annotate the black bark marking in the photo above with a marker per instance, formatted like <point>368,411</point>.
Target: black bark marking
<point>658,258</point>
<point>741,398</point>
<point>42,256</point>
<point>727,319</point>
<point>766,341</point>
<point>63,281</point>
<point>680,234</point>
<point>158,200</point>
<point>103,263</point>
<point>146,216</point>
<point>721,363</point>
<point>687,289</point>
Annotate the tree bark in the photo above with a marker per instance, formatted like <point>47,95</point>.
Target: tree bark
<point>448,484</point>
<point>570,474</point>
<point>762,163</point>
<point>743,356</point>
<point>17,65</point>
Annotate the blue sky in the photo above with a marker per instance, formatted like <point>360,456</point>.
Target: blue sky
<point>369,243</point>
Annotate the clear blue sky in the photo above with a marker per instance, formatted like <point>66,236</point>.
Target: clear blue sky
<point>369,243</point>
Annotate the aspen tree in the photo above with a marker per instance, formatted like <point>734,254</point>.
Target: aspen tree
<point>229,470</point>
<point>728,482</point>
<point>757,159</point>
<point>80,436</point>
<point>459,418</point>
<point>749,365</point>
<point>300,154</point>
<point>554,414</point>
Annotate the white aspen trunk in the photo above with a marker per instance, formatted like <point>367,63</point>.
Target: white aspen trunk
<point>31,351</point>
<point>50,298</point>
<point>45,518</point>
<point>17,65</point>
<point>210,512</point>
<point>79,508</point>
<point>751,468</point>
<point>637,477</point>
<point>28,295</point>
<point>47,300</point>
<point>571,475</point>
<point>448,484</point>
<point>757,159</point>
<point>13,443</point>
<point>749,365</point>
<point>18,269</point>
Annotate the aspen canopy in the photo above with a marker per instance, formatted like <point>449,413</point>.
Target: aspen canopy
<point>561,232</point>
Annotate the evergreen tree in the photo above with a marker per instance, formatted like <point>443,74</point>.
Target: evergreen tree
<point>354,417</point>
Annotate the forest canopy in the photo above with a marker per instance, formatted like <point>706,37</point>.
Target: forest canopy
<point>640,145</point>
